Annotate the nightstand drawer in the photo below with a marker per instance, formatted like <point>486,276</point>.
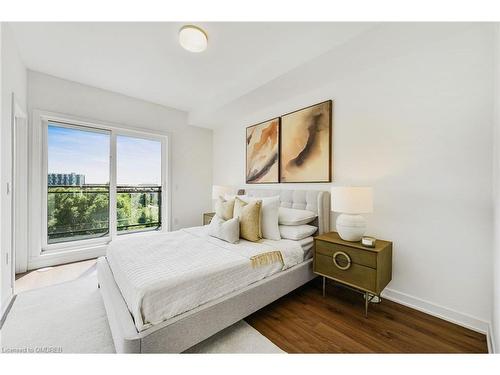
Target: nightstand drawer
<point>358,256</point>
<point>356,275</point>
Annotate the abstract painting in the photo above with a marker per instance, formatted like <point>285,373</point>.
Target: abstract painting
<point>306,144</point>
<point>263,152</point>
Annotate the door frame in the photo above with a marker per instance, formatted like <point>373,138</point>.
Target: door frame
<point>19,257</point>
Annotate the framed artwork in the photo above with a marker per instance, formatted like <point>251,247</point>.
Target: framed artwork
<point>306,144</point>
<point>262,152</point>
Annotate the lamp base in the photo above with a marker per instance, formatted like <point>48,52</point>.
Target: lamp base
<point>351,227</point>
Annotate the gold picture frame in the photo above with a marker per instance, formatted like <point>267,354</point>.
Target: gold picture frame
<point>306,144</point>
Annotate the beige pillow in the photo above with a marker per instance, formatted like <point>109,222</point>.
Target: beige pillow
<point>224,208</point>
<point>249,216</point>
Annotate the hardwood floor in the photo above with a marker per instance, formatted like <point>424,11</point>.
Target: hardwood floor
<point>52,275</point>
<point>306,322</point>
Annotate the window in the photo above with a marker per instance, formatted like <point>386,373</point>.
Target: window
<point>101,183</point>
<point>78,183</point>
<point>138,180</point>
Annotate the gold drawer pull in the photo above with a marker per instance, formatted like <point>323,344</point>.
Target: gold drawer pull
<point>339,266</point>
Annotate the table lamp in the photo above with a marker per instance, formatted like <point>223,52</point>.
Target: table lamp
<point>350,202</point>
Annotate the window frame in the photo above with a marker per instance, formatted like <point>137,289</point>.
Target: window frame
<point>76,249</point>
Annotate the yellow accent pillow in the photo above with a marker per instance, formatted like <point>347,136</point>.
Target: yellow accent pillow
<point>249,216</point>
<point>224,208</point>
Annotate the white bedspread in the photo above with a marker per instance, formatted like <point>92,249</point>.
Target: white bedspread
<point>163,275</point>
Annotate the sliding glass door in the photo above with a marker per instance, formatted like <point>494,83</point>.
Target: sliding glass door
<point>77,183</point>
<point>138,184</point>
<point>101,183</point>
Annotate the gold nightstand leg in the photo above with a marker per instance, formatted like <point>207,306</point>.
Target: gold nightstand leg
<point>324,285</point>
<point>367,301</point>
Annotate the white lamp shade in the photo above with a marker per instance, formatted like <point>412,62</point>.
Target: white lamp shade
<point>352,200</point>
<point>220,191</point>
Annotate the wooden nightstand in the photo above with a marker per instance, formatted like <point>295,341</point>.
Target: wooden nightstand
<point>366,269</point>
<point>207,217</point>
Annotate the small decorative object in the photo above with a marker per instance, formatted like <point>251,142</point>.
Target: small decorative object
<point>368,241</point>
<point>306,144</point>
<point>262,164</point>
<point>351,202</point>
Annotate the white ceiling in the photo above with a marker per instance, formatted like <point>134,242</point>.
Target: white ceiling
<point>145,60</point>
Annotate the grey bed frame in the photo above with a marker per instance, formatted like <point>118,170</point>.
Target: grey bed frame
<point>181,332</point>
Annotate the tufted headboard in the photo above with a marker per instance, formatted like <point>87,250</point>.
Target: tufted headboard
<point>311,200</point>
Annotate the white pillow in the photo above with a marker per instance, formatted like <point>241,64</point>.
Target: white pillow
<point>269,215</point>
<point>297,232</point>
<point>228,230</point>
<point>292,216</point>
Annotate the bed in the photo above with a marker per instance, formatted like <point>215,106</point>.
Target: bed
<point>166,318</point>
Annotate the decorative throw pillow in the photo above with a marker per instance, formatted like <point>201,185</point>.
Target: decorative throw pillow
<point>297,232</point>
<point>269,216</point>
<point>292,216</point>
<point>228,230</point>
<point>249,216</point>
<point>224,208</point>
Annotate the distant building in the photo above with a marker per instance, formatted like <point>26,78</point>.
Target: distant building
<point>66,179</point>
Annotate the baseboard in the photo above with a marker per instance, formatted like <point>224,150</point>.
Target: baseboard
<point>7,310</point>
<point>55,259</point>
<point>438,311</point>
<point>490,337</point>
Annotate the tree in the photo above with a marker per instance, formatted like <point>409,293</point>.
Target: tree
<point>73,211</point>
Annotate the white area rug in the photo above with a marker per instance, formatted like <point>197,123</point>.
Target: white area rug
<point>239,338</point>
<point>70,318</point>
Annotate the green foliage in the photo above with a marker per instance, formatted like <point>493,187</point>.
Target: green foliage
<point>124,209</point>
<point>75,212</point>
<point>137,208</point>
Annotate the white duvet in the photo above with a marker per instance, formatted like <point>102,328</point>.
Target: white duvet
<point>164,275</point>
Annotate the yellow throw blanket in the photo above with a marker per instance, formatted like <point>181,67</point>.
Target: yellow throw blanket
<point>267,258</point>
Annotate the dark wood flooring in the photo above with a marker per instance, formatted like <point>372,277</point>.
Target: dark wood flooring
<point>306,322</point>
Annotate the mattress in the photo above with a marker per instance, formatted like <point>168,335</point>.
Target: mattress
<point>306,243</point>
<point>164,275</point>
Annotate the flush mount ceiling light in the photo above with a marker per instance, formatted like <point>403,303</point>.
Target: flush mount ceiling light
<point>193,39</point>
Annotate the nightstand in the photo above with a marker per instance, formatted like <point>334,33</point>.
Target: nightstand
<point>207,217</point>
<point>364,269</point>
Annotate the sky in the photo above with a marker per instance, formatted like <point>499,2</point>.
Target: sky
<point>87,152</point>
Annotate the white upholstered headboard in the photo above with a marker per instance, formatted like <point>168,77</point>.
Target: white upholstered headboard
<point>311,200</point>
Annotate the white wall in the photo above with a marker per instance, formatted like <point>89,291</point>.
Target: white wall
<point>191,146</point>
<point>1,159</point>
<point>412,118</point>
<point>13,81</point>
<point>495,315</point>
